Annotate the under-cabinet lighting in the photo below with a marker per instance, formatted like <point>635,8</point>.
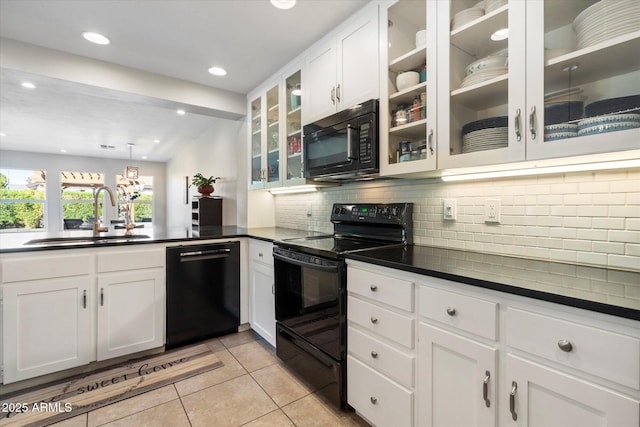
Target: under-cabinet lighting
<point>295,189</point>
<point>620,164</point>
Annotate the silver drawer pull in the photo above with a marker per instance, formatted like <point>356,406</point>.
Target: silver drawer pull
<point>451,311</point>
<point>485,388</point>
<point>373,400</point>
<point>373,288</point>
<point>374,319</point>
<point>565,345</point>
<point>512,400</point>
<point>374,354</point>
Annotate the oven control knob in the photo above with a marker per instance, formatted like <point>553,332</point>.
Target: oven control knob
<point>336,211</point>
<point>343,211</point>
<point>395,211</point>
<point>385,211</point>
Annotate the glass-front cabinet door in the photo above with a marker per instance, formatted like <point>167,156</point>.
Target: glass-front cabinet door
<point>273,137</point>
<point>482,65</point>
<point>408,106</point>
<point>255,112</point>
<point>583,76</point>
<point>292,155</point>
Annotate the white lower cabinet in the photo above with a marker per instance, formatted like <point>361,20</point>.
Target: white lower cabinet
<point>540,396</point>
<point>457,381</point>
<point>130,312</point>
<point>46,326</point>
<point>262,305</point>
<point>484,358</point>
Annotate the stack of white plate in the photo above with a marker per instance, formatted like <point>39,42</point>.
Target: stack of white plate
<point>606,19</point>
<point>492,5</point>
<point>485,139</point>
<point>483,75</point>
<point>560,131</point>
<point>608,123</point>
<point>465,16</point>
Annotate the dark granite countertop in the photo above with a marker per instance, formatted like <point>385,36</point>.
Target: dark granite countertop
<point>605,290</point>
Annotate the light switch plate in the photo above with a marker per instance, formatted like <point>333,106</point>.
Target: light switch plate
<point>449,209</point>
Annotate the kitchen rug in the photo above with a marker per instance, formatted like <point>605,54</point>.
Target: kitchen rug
<point>84,393</point>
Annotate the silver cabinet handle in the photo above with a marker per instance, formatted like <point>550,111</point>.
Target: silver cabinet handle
<point>373,400</point>
<point>260,254</point>
<point>84,299</point>
<point>565,345</point>
<point>516,125</point>
<point>430,139</point>
<point>374,354</point>
<point>338,93</point>
<point>374,319</point>
<point>333,95</point>
<point>512,400</point>
<point>485,388</point>
<point>532,122</point>
<point>273,288</point>
<point>101,297</point>
<point>373,288</point>
<point>451,311</point>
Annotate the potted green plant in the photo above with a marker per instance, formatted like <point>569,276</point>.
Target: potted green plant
<point>203,184</point>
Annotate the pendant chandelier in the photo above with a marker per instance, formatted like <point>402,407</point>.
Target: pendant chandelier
<point>131,172</point>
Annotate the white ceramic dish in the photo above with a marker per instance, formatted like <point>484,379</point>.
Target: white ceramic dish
<point>465,16</point>
<point>493,5</point>
<point>559,135</point>
<point>609,119</point>
<point>610,127</point>
<point>421,38</point>
<point>489,62</point>
<point>407,79</point>
<point>561,127</point>
<point>482,76</point>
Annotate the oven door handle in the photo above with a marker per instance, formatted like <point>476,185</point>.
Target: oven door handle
<point>329,268</point>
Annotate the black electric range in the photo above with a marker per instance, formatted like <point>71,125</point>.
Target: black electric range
<point>311,289</point>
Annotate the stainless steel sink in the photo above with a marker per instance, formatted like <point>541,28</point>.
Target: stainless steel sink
<point>85,239</point>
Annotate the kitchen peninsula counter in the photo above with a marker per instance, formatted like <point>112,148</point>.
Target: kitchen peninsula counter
<point>605,290</point>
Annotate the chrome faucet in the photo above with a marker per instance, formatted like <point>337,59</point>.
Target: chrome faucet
<point>96,222</point>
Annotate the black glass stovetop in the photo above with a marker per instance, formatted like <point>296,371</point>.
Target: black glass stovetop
<point>333,246</point>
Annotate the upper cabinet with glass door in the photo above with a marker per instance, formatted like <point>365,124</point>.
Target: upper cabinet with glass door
<point>481,121</point>
<point>408,90</point>
<point>265,139</point>
<point>583,76</point>
<point>292,155</point>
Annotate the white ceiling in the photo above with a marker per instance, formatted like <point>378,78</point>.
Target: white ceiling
<point>175,38</point>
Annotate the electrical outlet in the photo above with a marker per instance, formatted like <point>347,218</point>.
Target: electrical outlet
<point>492,211</point>
<point>449,209</point>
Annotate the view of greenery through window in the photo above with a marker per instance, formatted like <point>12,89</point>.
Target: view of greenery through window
<point>22,199</point>
<point>140,193</point>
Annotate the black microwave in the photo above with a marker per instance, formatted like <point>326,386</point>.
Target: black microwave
<point>343,146</point>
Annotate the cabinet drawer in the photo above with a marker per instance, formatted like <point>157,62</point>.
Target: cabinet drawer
<point>131,260</point>
<point>45,267</point>
<point>261,252</point>
<point>467,313</point>
<point>386,323</point>
<point>378,399</point>
<point>383,358</point>
<point>595,351</point>
<point>385,289</point>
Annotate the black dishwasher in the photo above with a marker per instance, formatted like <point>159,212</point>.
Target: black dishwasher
<point>203,292</point>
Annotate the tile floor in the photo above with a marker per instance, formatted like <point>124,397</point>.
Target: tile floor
<point>252,389</point>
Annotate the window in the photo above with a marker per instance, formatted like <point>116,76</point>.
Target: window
<point>77,191</point>
<point>22,200</point>
<point>139,194</point>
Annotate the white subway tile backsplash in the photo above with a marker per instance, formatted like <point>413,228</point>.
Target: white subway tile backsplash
<point>586,217</point>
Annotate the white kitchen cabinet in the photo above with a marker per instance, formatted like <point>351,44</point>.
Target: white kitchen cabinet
<point>522,93</point>
<point>46,326</point>
<point>343,70</point>
<point>130,312</point>
<point>402,124</point>
<point>458,380</point>
<point>539,396</point>
<point>265,131</point>
<point>262,315</point>
<point>381,346</point>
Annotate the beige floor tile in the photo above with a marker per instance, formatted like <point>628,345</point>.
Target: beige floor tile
<point>253,356</point>
<point>79,421</point>
<point>273,419</point>
<point>239,338</point>
<point>280,385</point>
<point>231,403</point>
<point>132,405</point>
<point>230,369</point>
<point>170,414</point>
<point>312,411</point>
<point>215,345</point>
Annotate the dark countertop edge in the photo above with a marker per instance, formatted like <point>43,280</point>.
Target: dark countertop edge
<point>614,310</point>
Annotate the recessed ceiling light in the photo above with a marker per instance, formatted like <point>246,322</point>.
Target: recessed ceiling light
<point>96,38</point>
<point>181,112</point>
<point>144,157</point>
<point>28,85</point>
<point>157,141</point>
<point>283,4</point>
<point>62,150</point>
<point>500,34</point>
<point>218,71</point>
<point>3,134</point>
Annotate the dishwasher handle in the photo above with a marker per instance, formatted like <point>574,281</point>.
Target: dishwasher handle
<point>202,255</point>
